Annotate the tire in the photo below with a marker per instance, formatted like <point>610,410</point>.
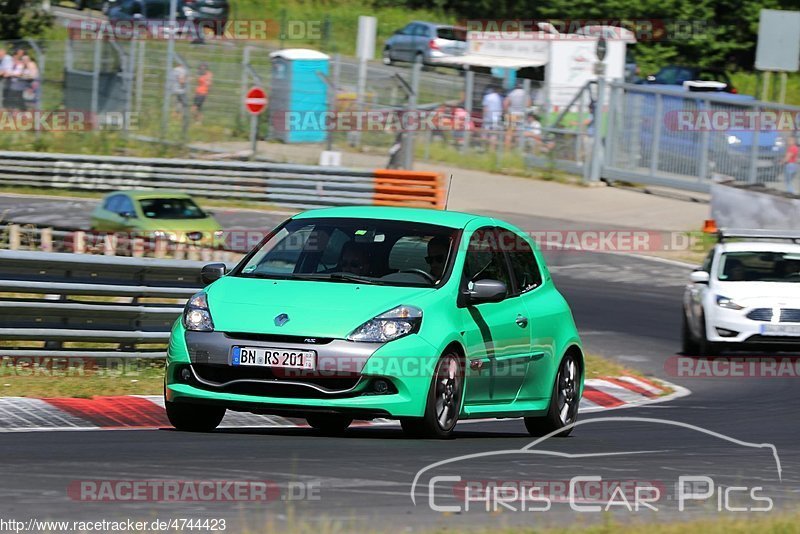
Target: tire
<point>564,401</point>
<point>194,417</point>
<point>329,424</point>
<point>386,58</point>
<point>705,348</point>
<point>444,401</point>
<point>689,345</point>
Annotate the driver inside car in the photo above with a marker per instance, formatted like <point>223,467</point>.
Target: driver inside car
<point>354,259</point>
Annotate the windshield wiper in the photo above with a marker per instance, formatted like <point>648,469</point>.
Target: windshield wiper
<point>345,277</point>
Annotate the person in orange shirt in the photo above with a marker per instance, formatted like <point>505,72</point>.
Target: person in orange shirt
<point>204,78</point>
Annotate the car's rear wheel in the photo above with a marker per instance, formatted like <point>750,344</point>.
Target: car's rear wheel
<point>194,417</point>
<point>329,424</point>
<point>689,345</point>
<point>444,401</point>
<point>563,402</point>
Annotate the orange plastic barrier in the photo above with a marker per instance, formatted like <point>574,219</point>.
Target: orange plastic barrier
<point>409,188</point>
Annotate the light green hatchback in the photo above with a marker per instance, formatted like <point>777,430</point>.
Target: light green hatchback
<point>170,215</point>
<point>429,317</point>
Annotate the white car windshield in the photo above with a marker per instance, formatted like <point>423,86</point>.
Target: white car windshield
<point>759,267</point>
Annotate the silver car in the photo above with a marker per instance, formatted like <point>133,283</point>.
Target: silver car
<point>426,40</point>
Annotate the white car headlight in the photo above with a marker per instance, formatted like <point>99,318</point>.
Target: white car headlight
<point>725,302</point>
<point>196,316</point>
<point>393,324</point>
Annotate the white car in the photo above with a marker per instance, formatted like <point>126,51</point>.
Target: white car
<point>747,293</point>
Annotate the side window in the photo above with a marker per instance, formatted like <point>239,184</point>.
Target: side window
<point>421,30</point>
<point>523,262</point>
<point>112,203</point>
<point>484,258</point>
<point>125,205</point>
<point>408,30</point>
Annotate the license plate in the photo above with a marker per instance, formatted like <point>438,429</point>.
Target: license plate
<point>211,10</point>
<point>273,357</point>
<point>780,329</point>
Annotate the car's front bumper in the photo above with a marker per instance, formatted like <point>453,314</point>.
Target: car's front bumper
<point>734,327</point>
<point>344,382</point>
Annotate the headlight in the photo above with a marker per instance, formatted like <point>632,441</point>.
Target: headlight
<point>160,234</point>
<point>725,302</point>
<point>733,140</point>
<point>393,324</point>
<point>196,315</point>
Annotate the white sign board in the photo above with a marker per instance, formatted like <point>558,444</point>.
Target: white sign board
<point>572,64</point>
<point>778,46</point>
<point>528,47</point>
<point>365,42</point>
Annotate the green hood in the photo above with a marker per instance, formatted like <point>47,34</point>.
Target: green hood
<point>315,309</point>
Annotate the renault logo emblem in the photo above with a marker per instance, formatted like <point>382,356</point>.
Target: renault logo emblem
<point>281,319</point>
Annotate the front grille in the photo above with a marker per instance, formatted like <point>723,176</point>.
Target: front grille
<point>787,315</point>
<point>790,315</point>
<point>275,381</point>
<point>777,340</point>
<point>278,338</point>
<point>760,314</point>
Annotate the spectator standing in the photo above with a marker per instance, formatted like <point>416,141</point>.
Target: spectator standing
<point>179,84</point>
<point>492,114</point>
<point>204,79</point>
<point>790,162</point>
<point>16,84</point>
<point>31,92</point>
<point>6,65</point>
<point>515,104</point>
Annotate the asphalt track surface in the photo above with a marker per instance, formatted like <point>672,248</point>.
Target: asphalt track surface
<point>626,307</point>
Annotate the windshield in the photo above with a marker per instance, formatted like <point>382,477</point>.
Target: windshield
<point>759,267</point>
<point>171,208</point>
<point>346,250</point>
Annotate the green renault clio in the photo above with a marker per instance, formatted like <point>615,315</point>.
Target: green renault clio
<point>429,317</point>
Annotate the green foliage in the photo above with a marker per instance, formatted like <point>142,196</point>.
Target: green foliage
<point>19,19</point>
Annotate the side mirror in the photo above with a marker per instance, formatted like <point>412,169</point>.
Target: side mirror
<point>699,277</point>
<point>487,291</point>
<point>212,272</point>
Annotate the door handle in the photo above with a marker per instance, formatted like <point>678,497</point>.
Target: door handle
<point>522,321</point>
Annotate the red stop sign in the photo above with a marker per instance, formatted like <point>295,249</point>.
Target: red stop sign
<point>256,100</point>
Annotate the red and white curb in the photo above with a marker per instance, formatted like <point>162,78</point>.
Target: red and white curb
<point>128,412</point>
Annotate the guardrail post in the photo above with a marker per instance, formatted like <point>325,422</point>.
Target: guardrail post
<point>110,244</point>
<point>137,247</point>
<point>46,239</point>
<point>179,252</point>
<point>193,254</point>
<point>78,242</point>
<point>13,237</point>
<point>160,248</point>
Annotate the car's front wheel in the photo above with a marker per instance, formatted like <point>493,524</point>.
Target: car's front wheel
<point>387,56</point>
<point>329,424</point>
<point>689,345</point>
<point>194,417</point>
<point>563,409</point>
<point>444,401</point>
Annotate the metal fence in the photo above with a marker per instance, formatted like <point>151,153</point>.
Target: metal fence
<point>66,305</point>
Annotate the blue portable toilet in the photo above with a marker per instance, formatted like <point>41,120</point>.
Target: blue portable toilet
<point>298,96</point>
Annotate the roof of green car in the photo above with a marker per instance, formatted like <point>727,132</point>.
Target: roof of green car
<point>151,193</point>
<point>452,219</point>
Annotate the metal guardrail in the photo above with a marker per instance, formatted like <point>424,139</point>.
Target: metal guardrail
<point>301,186</point>
<point>38,304</point>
